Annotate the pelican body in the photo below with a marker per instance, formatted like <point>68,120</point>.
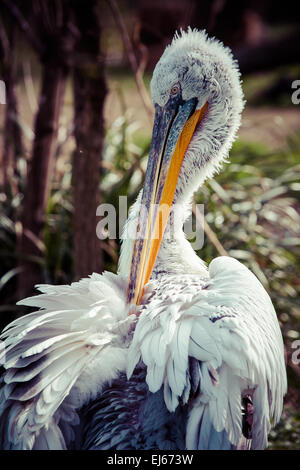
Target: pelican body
<point>167,353</point>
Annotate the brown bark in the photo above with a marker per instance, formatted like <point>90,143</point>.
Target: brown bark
<point>12,144</point>
<point>47,26</point>
<point>89,95</point>
<point>37,190</point>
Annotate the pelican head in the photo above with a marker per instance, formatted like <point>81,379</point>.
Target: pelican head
<point>197,95</point>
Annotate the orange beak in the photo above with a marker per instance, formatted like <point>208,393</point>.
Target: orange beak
<point>174,126</point>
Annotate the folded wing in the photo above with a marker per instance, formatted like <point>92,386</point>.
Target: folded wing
<point>57,358</point>
<point>230,328</point>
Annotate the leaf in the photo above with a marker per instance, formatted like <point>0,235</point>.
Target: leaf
<point>9,275</point>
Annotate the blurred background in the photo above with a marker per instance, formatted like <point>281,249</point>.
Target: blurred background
<point>75,132</point>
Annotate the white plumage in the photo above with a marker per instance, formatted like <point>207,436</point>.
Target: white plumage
<point>230,326</point>
<point>53,353</point>
<point>207,339</point>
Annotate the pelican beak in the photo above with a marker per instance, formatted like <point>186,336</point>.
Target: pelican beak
<point>174,126</point>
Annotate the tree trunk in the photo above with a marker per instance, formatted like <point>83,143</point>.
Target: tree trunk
<point>38,182</point>
<point>89,95</point>
<point>12,140</point>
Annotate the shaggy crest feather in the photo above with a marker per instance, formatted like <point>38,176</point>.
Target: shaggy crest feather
<point>85,370</point>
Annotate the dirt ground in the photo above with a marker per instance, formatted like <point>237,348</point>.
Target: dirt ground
<point>270,126</point>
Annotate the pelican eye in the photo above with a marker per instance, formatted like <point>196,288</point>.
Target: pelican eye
<point>175,89</point>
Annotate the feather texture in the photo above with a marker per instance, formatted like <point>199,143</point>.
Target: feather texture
<point>50,353</point>
<point>235,346</point>
<point>203,342</point>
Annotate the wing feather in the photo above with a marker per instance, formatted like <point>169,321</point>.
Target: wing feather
<point>231,328</point>
<point>48,351</point>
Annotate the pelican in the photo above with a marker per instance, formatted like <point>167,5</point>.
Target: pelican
<point>167,353</point>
